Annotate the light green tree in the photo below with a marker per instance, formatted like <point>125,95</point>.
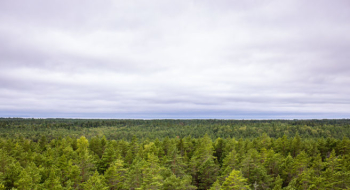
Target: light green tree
<point>216,186</point>
<point>278,183</point>
<point>29,177</point>
<point>235,181</point>
<point>115,175</point>
<point>84,160</point>
<point>177,183</point>
<point>95,182</point>
<point>53,182</point>
<point>203,168</point>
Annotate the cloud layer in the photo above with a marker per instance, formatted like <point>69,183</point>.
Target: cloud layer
<point>175,59</point>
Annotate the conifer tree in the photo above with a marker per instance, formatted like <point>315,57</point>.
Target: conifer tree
<point>73,175</point>
<point>12,174</point>
<point>278,183</point>
<point>235,181</point>
<point>219,149</point>
<point>300,163</point>
<point>178,183</point>
<point>29,178</point>
<point>282,145</point>
<point>254,171</point>
<point>333,173</point>
<point>306,179</point>
<point>95,182</point>
<point>203,168</point>
<point>96,147</point>
<point>151,174</point>
<point>84,158</point>
<point>292,185</point>
<point>230,162</point>
<point>135,175</point>
<point>296,145</point>
<point>53,182</point>
<point>108,156</point>
<point>287,169</point>
<point>115,175</point>
<point>216,186</point>
<point>344,146</point>
<point>272,161</point>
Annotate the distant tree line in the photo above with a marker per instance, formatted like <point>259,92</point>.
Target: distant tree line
<point>151,129</point>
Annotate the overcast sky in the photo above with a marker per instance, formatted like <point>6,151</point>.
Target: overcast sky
<point>251,59</point>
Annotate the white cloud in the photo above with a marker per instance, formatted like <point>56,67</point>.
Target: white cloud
<point>175,57</point>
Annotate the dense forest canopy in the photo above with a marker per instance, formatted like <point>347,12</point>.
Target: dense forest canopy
<point>152,129</point>
<point>174,154</point>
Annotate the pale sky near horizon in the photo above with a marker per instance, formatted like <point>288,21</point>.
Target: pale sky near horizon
<point>254,59</point>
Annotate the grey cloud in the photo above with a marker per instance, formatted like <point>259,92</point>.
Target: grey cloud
<point>175,58</point>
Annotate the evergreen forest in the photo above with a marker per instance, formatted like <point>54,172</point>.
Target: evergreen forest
<point>174,154</point>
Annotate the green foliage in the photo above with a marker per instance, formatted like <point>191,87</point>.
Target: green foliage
<point>116,174</point>
<point>204,169</point>
<point>95,182</point>
<point>174,154</point>
<point>178,183</point>
<point>47,129</point>
<point>235,181</point>
<point>215,186</point>
<point>278,183</point>
<point>29,177</point>
<point>53,182</point>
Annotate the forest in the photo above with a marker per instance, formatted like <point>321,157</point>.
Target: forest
<point>174,154</point>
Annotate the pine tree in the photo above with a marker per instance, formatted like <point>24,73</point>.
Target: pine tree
<point>216,186</point>
<point>219,149</point>
<point>235,181</point>
<point>95,182</point>
<point>254,171</point>
<point>144,174</point>
<point>292,185</point>
<point>135,175</point>
<point>177,183</point>
<point>345,172</point>
<point>282,145</point>
<point>272,162</point>
<point>203,168</point>
<point>300,163</point>
<point>29,178</point>
<point>230,162</point>
<point>53,182</point>
<point>108,156</point>
<point>333,172</point>
<point>96,147</point>
<point>12,174</point>
<point>2,182</point>
<point>278,183</point>
<point>115,175</point>
<point>176,163</point>
<point>73,175</point>
<point>129,157</point>
<point>84,160</point>
<point>151,174</point>
<point>287,169</point>
<point>296,145</point>
<point>317,165</point>
<point>344,146</point>
<point>208,172</point>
